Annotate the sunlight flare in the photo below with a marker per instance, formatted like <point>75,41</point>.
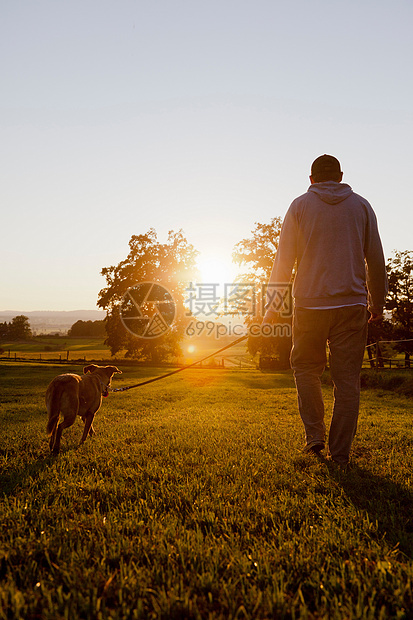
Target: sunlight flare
<point>216,270</point>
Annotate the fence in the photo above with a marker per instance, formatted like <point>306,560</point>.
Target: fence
<point>378,361</point>
<point>228,361</point>
<point>375,359</point>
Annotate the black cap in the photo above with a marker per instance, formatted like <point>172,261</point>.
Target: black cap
<point>325,168</point>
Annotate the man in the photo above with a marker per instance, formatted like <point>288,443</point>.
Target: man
<point>330,234</point>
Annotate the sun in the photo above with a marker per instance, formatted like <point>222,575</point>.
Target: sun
<point>216,270</point>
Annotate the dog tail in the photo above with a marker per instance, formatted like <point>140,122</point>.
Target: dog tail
<point>53,400</point>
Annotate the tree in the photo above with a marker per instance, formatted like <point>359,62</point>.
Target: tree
<point>4,331</point>
<point>400,299</point>
<point>257,255</point>
<point>87,329</point>
<point>19,328</point>
<point>170,264</point>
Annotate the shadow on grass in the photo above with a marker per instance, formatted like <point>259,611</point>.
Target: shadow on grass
<point>387,503</point>
<point>31,466</point>
<point>13,479</point>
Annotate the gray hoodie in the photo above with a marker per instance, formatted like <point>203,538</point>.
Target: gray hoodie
<point>332,234</point>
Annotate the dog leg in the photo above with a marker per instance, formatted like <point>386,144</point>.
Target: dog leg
<point>91,430</point>
<point>52,440</point>
<point>55,440</point>
<point>69,407</point>
<point>55,445</point>
<point>88,426</point>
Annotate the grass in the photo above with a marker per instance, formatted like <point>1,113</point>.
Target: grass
<point>52,348</point>
<point>194,500</point>
<point>400,382</point>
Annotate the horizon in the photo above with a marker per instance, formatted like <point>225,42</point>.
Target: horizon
<point>72,311</point>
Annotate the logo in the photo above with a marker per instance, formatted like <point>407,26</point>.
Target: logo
<point>147,310</point>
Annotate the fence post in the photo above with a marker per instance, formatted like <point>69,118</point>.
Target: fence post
<point>379,361</point>
<point>370,356</point>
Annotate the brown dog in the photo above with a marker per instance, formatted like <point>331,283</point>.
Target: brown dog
<point>72,395</point>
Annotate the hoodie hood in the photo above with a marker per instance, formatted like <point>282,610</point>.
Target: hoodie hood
<point>331,192</point>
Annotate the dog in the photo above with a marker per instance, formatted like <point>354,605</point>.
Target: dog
<point>72,395</point>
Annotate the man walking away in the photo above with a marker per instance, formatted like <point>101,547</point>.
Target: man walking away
<point>330,233</point>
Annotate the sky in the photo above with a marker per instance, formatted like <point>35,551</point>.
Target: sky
<point>122,115</point>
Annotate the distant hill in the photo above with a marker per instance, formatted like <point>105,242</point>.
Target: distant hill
<point>50,321</point>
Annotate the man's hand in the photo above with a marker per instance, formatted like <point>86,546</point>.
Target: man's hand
<point>255,342</point>
<point>375,317</point>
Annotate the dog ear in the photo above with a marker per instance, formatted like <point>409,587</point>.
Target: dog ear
<point>113,370</point>
<point>90,368</point>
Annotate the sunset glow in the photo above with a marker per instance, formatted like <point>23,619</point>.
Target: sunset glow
<point>216,270</point>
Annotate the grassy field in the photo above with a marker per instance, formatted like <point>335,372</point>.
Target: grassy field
<point>194,500</point>
<point>51,348</point>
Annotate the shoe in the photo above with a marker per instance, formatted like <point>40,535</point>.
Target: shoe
<point>336,466</point>
<point>314,449</point>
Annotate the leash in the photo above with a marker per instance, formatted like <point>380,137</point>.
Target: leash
<point>169,374</point>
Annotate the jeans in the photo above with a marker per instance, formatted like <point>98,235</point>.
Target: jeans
<point>344,330</point>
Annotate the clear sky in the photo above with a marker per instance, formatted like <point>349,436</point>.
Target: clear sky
<point>121,115</point>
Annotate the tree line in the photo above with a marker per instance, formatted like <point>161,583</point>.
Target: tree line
<point>19,329</point>
<point>87,329</point>
<point>173,264</point>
